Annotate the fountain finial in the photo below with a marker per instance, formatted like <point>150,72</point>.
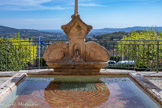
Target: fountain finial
<point>76,8</point>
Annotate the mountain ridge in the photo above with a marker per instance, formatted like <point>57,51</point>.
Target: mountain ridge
<point>30,33</point>
<point>112,30</point>
<point>59,35</point>
<point>127,29</point>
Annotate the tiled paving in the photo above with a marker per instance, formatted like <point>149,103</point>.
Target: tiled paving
<point>3,79</point>
<point>156,81</point>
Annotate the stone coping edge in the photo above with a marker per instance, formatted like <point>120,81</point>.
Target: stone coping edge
<point>10,84</point>
<point>102,72</point>
<point>58,73</point>
<point>149,87</point>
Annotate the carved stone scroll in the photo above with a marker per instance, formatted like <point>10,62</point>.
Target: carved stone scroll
<point>56,52</point>
<point>95,52</point>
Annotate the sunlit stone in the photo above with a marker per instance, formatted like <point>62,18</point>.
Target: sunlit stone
<point>77,56</point>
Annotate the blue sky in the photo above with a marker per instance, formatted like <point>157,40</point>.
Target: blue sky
<point>51,14</point>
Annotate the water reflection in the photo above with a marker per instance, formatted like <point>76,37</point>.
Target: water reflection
<point>78,92</point>
<point>71,94</point>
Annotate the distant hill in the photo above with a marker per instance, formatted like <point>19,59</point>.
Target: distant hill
<point>31,33</point>
<point>111,36</point>
<point>52,31</point>
<point>129,29</point>
<point>95,32</point>
<point>59,35</point>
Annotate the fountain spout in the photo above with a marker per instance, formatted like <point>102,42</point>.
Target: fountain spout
<point>76,52</point>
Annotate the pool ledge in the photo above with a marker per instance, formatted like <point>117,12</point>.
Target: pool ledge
<point>102,72</point>
<point>7,86</point>
<point>148,86</point>
<point>15,78</point>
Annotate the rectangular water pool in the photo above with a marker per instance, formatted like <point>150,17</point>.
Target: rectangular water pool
<point>78,92</point>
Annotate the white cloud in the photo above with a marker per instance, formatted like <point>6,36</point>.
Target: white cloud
<point>23,2</point>
<point>28,8</point>
<point>43,4</point>
<point>27,5</point>
<point>90,4</point>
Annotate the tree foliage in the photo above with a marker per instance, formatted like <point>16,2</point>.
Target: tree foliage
<point>109,41</point>
<point>142,47</point>
<point>111,36</point>
<point>16,53</point>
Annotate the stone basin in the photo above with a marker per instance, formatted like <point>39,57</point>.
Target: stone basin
<point>77,67</point>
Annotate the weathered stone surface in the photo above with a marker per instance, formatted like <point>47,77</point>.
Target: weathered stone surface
<point>56,52</point>
<point>7,86</point>
<point>156,80</point>
<point>77,56</point>
<point>95,52</point>
<point>76,28</point>
<point>148,86</point>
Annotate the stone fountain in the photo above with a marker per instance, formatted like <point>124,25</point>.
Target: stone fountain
<point>76,56</point>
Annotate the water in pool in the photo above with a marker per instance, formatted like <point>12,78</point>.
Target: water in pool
<point>78,92</point>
